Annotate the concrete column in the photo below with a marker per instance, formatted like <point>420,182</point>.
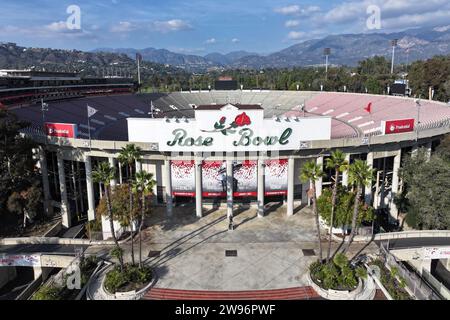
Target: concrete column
<point>138,166</point>
<point>261,186</point>
<point>230,188</point>
<point>368,193</point>
<point>395,183</point>
<point>65,210</point>
<point>320,180</point>
<point>345,173</point>
<point>45,182</point>
<point>120,173</point>
<point>112,163</point>
<point>90,189</point>
<point>168,185</point>
<point>290,196</point>
<point>414,151</point>
<point>428,147</point>
<point>198,188</point>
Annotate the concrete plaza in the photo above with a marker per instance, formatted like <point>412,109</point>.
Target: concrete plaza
<point>189,253</point>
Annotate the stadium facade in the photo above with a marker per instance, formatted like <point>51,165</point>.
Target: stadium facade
<point>213,148</point>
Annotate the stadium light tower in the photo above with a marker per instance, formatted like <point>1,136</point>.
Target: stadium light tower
<point>44,109</point>
<point>326,52</point>
<point>393,44</point>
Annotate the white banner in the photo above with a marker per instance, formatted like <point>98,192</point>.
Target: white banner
<point>228,131</point>
<point>20,260</point>
<point>436,253</point>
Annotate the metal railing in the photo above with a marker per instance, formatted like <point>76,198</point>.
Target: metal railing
<point>420,288</point>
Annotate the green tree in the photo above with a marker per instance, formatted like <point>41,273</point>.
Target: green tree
<point>103,174</point>
<point>143,186</point>
<point>312,172</point>
<point>338,163</point>
<point>18,173</point>
<point>345,203</point>
<point>434,73</point>
<point>428,200</point>
<point>26,203</point>
<point>129,155</point>
<point>359,175</point>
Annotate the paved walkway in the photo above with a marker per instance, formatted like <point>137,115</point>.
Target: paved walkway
<point>189,253</point>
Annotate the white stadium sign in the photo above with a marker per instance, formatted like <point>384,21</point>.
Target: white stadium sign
<point>228,129</point>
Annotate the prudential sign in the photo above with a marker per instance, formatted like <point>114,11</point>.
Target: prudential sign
<point>227,130</point>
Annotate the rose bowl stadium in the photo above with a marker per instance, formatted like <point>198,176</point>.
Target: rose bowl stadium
<point>213,147</point>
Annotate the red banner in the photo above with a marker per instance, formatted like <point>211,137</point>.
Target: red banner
<point>399,126</point>
<point>61,130</point>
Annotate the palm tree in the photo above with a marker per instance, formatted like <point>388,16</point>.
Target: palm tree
<point>359,175</point>
<point>311,172</point>
<point>128,157</point>
<point>103,174</point>
<point>143,185</point>
<point>339,164</point>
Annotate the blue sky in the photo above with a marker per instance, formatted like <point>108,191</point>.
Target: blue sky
<point>203,26</point>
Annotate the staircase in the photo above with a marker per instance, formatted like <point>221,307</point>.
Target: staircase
<point>303,293</point>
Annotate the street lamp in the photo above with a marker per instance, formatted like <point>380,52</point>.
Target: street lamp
<point>44,108</point>
<point>418,105</point>
<point>326,52</point>
<point>393,44</point>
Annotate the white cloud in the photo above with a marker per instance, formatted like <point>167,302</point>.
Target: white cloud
<point>170,25</point>
<point>442,29</point>
<point>395,14</point>
<point>211,41</point>
<point>294,9</point>
<point>292,23</point>
<point>296,35</point>
<point>57,26</point>
<point>235,40</point>
<point>124,26</point>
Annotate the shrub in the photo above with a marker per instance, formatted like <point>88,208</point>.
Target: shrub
<point>50,292</point>
<point>131,278</point>
<point>389,281</point>
<point>337,274</point>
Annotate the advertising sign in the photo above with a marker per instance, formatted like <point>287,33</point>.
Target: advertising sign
<point>214,175</point>
<point>245,182</point>
<point>61,130</point>
<point>276,177</point>
<point>183,178</point>
<point>228,130</point>
<point>397,126</point>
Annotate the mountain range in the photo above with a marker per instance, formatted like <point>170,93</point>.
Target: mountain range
<point>346,49</point>
<point>13,56</point>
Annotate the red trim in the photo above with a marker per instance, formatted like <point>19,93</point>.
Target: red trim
<point>245,194</point>
<point>214,194</point>
<point>276,193</point>
<point>183,194</point>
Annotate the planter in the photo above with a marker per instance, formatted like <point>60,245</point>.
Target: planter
<point>331,294</point>
<point>130,295</point>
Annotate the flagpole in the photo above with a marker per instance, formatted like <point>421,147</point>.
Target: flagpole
<point>89,127</point>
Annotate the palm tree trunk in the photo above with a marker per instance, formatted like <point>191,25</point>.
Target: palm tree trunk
<point>316,213</point>
<point>131,219</point>
<point>333,206</point>
<point>354,218</point>
<point>111,224</point>
<point>141,224</point>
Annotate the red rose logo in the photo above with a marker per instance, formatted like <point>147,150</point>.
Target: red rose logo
<point>222,120</point>
<point>242,120</point>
